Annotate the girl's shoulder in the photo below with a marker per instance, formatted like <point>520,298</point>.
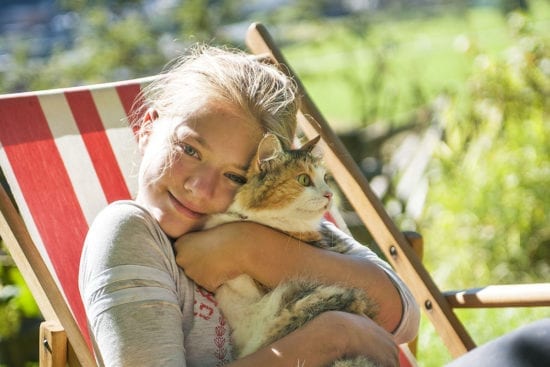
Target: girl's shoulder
<point>125,216</point>
<point>124,210</point>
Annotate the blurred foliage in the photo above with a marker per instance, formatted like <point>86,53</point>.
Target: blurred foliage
<point>16,301</point>
<point>489,201</point>
<point>490,183</point>
<point>117,40</point>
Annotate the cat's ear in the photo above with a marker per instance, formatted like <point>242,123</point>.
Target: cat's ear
<point>269,148</point>
<point>312,147</point>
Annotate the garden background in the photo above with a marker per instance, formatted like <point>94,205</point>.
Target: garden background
<point>444,105</point>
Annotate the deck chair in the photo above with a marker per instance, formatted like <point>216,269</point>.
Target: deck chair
<point>67,153</point>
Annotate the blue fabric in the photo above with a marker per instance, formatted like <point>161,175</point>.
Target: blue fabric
<point>528,346</point>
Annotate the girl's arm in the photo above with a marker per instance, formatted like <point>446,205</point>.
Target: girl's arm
<point>128,284</point>
<point>212,257</point>
<point>328,337</point>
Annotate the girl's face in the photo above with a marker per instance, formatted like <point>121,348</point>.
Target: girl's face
<point>192,168</point>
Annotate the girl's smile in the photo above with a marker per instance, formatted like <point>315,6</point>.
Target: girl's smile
<point>184,209</point>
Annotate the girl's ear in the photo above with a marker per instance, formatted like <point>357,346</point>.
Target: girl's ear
<point>146,128</point>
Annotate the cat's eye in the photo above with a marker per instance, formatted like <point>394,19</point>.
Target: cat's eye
<point>304,179</point>
<point>238,179</point>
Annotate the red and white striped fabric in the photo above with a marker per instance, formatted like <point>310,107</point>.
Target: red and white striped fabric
<point>66,154</point>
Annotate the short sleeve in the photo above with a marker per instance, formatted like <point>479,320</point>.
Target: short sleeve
<point>344,243</point>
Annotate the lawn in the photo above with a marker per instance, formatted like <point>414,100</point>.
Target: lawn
<point>412,60</point>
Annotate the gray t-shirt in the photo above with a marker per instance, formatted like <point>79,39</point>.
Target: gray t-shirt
<point>143,311</point>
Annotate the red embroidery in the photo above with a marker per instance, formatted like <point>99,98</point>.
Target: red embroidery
<point>220,342</point>
<point>205,308</point>
<point>205,311</point>
<point>220,329</point>
<point>209,296</point>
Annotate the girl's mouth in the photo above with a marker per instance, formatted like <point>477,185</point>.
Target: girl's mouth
<point>184,209</point>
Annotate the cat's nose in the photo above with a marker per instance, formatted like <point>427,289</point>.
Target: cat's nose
<point>328,195</point>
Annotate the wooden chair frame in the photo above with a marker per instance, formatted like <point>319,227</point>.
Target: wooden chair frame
<point>62,341</point>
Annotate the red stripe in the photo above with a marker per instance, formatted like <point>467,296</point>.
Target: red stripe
<point>404,360</point>
<point>47,190</point>
<point>127,94</point>
<point>99,148</point>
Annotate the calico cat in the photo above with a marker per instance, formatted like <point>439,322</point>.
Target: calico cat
<point>285,190</point>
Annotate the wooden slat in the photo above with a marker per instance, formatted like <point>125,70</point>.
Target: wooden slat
<point>513,295</point>
<point>370,210</point>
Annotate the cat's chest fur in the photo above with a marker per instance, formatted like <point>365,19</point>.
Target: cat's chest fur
<point>289,219</point>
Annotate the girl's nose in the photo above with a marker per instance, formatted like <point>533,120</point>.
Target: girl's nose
<point>202,184</point>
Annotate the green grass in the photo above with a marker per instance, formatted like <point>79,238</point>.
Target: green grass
<point>422,59</point>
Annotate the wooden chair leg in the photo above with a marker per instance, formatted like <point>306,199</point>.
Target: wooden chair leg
<point>53,345</point>
<point>417,244</point>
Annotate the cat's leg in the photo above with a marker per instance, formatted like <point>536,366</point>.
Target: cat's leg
<point>237,299</point>
<point>235,296</point>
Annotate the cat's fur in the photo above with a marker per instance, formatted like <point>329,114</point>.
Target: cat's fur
<point>286,190</point>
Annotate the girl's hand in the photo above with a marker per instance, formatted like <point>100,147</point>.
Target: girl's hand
<point>367,338</point>
<point>212,256</point>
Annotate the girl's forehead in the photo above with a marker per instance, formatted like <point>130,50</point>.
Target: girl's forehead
<point>220,115</point>
<point>221,130</point>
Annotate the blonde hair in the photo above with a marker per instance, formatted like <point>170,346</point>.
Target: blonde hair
<point>259,89</point>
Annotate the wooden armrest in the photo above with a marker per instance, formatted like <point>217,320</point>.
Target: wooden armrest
<point>514,295</point>
<point>53,344</point>
<point>55,349</point>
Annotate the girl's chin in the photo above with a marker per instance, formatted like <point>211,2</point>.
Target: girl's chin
<point>176,231</point>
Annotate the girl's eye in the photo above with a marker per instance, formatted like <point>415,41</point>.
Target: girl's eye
<point>304,180</point>
<point>189,150</point>
<point>238,179</point>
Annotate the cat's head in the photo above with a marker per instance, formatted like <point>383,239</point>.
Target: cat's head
<point>288,181</point>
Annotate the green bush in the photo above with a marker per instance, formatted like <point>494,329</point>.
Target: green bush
<point>489,196</point>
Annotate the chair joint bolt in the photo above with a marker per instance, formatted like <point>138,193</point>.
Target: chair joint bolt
<point>47,345</point>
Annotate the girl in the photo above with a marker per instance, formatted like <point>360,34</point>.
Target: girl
<point>204,119</point>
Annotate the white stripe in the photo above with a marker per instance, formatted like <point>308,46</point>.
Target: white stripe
<point>120,135</point>
<point>122,273</point>
<point>129,295</point>
<point>74,155</point>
